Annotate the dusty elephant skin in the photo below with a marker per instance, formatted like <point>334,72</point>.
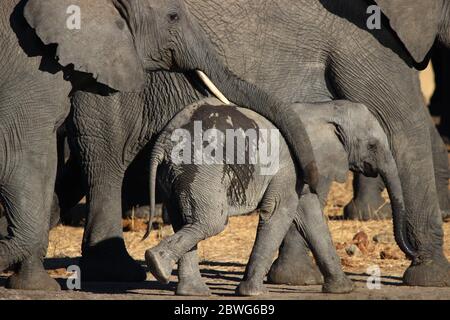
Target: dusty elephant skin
<point>368,203</point>
<point>314,63</point>
<point>34,100</point>
<point>198,212</point>
<point>331,60</point>
<point>418,39</point>
<point>343,135</point>
<point>178,44</point>
<point>43,62</point>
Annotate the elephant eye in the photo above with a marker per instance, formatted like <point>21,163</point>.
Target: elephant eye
<point>372,146</point>
<point>173,17</point>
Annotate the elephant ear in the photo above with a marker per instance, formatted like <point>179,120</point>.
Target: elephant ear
<point>101,44</point>
<point>416,23</point>
<point>330,155</point>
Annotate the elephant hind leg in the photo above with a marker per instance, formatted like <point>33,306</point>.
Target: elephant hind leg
<point>272,228</point>
<point>206,221</point>
<point>190,281</point>
<point>294,266</point>
<point>314,228</point>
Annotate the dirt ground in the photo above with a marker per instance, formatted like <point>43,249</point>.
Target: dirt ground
<point>224,257</point>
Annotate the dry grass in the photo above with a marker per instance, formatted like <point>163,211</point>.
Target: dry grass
<point>235,243</point>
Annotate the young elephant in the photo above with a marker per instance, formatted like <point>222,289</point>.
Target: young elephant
<point>201,197</point>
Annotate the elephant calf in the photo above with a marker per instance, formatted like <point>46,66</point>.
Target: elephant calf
<point>202,188</point>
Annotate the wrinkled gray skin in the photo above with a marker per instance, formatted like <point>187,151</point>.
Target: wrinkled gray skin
<point>312,51</point>
<point>34,100</point>
<point>107,146</point>
<point>431,23</point>
<point>116,44</point>
<point>368,202</point>
<point>317,50</point>
<point>344,136</point>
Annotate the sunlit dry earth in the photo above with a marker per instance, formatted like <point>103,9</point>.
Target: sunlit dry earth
<point>234,245</point>
<point>224,257</point>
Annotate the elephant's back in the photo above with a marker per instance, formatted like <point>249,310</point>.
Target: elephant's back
<point>229,121</point>
<point>226,147</point>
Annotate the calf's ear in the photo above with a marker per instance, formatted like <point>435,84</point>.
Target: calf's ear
<point>91,35</point>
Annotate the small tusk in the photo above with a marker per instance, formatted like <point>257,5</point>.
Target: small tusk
<point>212,87</point>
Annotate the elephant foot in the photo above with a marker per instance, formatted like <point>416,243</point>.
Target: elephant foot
<point>160,264</point>
<point>110,263</point>
<point>305,273</point>
<point>368,209</point>
<point>251,288</point>
<point>341,284</point>
<point>194,287</point>
<point>429,273</point>
<point>36,278</point>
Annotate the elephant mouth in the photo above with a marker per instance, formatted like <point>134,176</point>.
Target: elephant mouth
<point>369,170</point>
<point>212,87</point>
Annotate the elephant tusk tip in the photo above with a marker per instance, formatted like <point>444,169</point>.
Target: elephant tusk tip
<point>212,87</point>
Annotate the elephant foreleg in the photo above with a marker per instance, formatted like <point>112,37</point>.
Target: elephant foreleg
<point>190,282</point>
<point>367,202</point>
<point>104,255</point>
<point>272,228</point>
<point>406,123</point>
<point>30,273</point>
<point>423,217</point>
<point>311,222</point>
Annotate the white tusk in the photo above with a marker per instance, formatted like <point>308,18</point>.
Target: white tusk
<point>212,87</point>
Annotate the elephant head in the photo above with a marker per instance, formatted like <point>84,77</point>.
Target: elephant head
<point>119,39</point>
<point>418,23</point>
<point>346,135</point>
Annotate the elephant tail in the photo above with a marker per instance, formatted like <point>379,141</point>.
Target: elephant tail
<point>156,159</point>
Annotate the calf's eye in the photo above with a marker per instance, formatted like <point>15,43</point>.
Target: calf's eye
<point>173,17</point>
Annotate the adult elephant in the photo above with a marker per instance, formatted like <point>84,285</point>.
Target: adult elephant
<point>97,46</point>
<point>316,50</point>
<point>34,100</point>
<point>307,50</point>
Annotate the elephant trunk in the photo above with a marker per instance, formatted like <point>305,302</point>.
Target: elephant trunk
<point>390,176</point>
<point>248,95</point>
